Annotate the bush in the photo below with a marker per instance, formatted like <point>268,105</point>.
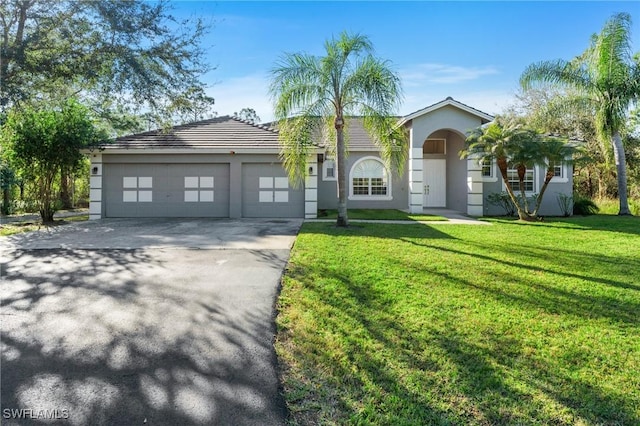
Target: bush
<point>584,206</point>
<point>502,199</point>
<point>566,203</point>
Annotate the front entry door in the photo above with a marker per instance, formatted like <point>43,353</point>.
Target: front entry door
<point>435,183</point>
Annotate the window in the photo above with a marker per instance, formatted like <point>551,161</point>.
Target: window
<point>329,169</point>
<point>557,169</point>
<point>487,168</point>
<point>369,179</point>
<point>134,189</point>
<point>273,189</point>
<point>529,180</point>
<point>434,146</point>
<point>198,189</point>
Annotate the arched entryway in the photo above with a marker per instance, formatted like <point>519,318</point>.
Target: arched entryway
<point>444,173</point>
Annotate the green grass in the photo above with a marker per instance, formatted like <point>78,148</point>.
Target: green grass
<point>514,323</point>
<point>612,206</point>
<point>7,229</point>
<point>380,214</point>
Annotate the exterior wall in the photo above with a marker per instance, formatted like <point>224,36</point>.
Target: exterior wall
<point>95,187</point>
<point>452,124</point>
<point>549,205</point>
<point>328,190</point>
<point>447,117</point>
<point>232,186</point>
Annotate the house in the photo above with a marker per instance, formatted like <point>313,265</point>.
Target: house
<point>226,167</point>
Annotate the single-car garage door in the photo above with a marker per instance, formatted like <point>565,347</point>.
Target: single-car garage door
<point>166,190</point>
<point>266,192</point>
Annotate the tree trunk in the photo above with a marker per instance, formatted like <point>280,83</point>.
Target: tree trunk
<point>65,192</point>
<point>522,171</point>
<point>6,209</point>
<point>547,179</point>
<point>341,153</point>
<point>621,167</point>
<point>502,166</point>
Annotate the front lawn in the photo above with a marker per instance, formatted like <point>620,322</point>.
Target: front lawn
<point>513,323</point>
<point>380,214</point>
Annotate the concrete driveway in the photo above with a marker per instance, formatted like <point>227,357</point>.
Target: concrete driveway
<point>149,321</point>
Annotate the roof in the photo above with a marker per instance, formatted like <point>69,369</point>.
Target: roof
<point>220,132</point>
<point>452,102</point>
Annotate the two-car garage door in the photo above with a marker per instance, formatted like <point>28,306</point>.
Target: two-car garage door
<point>198,190</point>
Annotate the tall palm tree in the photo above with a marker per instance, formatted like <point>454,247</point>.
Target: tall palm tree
<point>500,141</point>
<point>608,78</point>
<point>313,93</point>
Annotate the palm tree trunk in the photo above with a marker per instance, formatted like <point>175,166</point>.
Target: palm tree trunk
<point>522,170</point>
<point>621,167</point>
<point>341,149</point>
<point>547,179</point>
<point>502,166</point>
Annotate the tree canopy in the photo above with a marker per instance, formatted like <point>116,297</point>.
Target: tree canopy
<point>606,78</point>
<point>42,142</point>
<point>114,55</point>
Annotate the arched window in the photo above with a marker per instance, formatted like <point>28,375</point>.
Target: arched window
<point>369,180</point>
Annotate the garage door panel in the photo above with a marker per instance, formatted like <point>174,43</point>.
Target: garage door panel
<point>266,192</point>
<point>167,183</point>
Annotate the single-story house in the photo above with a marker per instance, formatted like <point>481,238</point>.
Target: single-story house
<point>226,167</point>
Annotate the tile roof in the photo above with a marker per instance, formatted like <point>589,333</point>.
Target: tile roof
<point>219,132</point>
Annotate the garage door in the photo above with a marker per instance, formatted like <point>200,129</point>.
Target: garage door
<point>166,190</point>
<point>266,192</point>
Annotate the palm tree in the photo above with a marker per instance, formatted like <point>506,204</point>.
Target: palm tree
<point>608,79</point>
<point>314,93</point>
<point>500,141</point>
<point>553,151</point>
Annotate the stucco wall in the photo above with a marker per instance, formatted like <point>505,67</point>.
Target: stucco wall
<point>447,117</point>
<point>549,207</point>
<point>328,190</point>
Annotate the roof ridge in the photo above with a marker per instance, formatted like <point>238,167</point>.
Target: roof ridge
<point>447,99</point>
<point>254,124</point>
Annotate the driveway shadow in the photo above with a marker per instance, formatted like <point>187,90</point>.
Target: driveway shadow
<point>125,337</point>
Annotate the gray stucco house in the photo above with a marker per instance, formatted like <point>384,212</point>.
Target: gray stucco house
<point>226,167</point>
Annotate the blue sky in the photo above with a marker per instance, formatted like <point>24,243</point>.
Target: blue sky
<point>473,51</point>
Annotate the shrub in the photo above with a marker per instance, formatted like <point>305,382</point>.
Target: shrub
<point>502,199</point>
<point>566,203</point>
<point>584,206</point>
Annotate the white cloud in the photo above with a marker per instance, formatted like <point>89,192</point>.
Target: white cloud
<point>250,91</point>
<point>432,73</point>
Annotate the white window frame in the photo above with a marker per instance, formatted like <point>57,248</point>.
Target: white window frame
<point>564,172</point>
<point>493,168</point>
<point>387,177</point>
<point>535,181</point>
<point>325,168</point>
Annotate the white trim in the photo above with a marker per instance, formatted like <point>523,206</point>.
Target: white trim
<point>536,176</point>
<point>324,170</point>
<point>441,104</point>
<point>494,172</point>
<point>388,176</point>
